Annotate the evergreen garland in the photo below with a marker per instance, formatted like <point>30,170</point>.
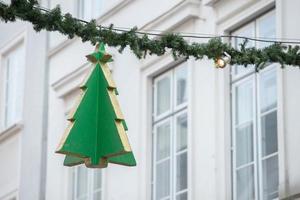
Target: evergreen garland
<point>141,45</point>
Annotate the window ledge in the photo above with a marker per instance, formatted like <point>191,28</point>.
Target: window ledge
<point>10,131</point>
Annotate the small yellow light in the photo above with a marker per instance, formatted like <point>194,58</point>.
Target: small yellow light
<point>223,61</point>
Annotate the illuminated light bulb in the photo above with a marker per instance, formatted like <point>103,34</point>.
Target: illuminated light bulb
<point>223,61</point>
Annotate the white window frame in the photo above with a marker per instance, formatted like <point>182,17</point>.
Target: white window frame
<point>237,80</point>
<point>234,169</point>
<point>253,23</point>
<point>90,182</point>
<point>269,69</point>
<point>171,117</point>
<point>18,42</point>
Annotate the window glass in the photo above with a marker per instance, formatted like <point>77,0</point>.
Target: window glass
<point>97,179</point>
<point>266,29</point>
<point>163,96</point>
<point>268,91</point>
<point>181,85</point>
<point>97,8</point>
<point>245,183</point>
<point>87,184</point>
<point>244,102</point>
<point>181,132</point>
<point>246,31</point>
<point>244,145</point>
<point>181,168</point>
<point>270,178</point>
<point>13,86</point>
<point>163,141</point>
<point>269,133</point>
<point>97,196</point>
<point>182,196</point>
<point>88,9</point>
<point>163,179</point>
<point>84,9</point>
<point>82,183</point>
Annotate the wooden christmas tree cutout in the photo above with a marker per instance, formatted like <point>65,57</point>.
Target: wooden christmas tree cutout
<point>96,134</point>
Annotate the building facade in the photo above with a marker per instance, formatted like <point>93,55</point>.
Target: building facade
<point>197,132</point>
<point>23,97</point>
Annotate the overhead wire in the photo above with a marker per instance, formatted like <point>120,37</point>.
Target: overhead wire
<point>159,33</point>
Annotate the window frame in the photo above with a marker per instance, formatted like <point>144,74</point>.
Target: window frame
<point>234,167</point>
<point>170,116</point>
<point>236,80</point>
<point>90,183</point>
<point>19,44</point>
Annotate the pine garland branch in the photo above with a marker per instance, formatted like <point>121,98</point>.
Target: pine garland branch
<point>141,45</point>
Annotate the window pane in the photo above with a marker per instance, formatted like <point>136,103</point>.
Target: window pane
<point>97,178</point>
<point>244,145</point>
<point>270,178</point>
<point>181,169</point>
<point>97,8</point>
<point>183,196</point>
<point>82,182</point>
<point>163,179</point>
<point>97,195</point>
<point>10,93</point>
<point>246,31</point>
<point>244,102</point>
<point>14,84</point>
<point>163,95</point>
<point>268,91</point>
<point>266,29</point>
<point>84,9</point>
<point>181,85</point>
<point>80,9</point>
<point>163,141</point>
<point>181,139</point>
<point>245,183</point>
<point>269,133</point>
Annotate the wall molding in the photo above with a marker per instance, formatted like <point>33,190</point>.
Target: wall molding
<point>243,14</point>
<point>177,15</point>
<point>70,81</point>
<point>10,131</point>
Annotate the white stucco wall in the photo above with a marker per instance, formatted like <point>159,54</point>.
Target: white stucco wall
<point>28,153</point>
<point>21,145</point>
<point>209,108</point>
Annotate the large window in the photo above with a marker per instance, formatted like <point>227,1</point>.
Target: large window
<point>254,126</point>
<point>170,125</point>
<point>87,184</point>
<point>89,9</point>
<point>12,86</point>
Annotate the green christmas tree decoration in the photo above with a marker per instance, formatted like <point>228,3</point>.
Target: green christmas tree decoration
<point>96,134</point>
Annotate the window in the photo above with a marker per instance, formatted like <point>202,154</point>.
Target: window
<point>170,128</point>
<point>87,184</point>
<point>12,86</point>
<point>89,9</point>
<point>254,125</point>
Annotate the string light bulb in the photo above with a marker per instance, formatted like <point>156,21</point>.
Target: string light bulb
<point>222,61</point>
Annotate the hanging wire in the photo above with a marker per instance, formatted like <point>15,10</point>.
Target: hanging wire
<point>159,33</point>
